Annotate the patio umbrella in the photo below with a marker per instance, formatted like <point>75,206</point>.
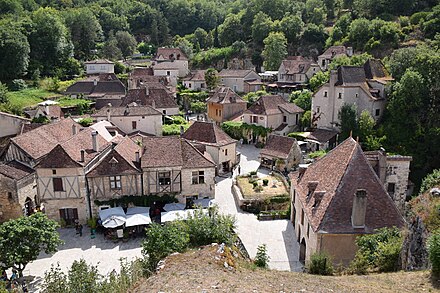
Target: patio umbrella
<point>138,210</point>
<point>174,207</point>
<point>137,219</point>
<point>173,216</point>
<point>113,221</point>
<point>105,214</point>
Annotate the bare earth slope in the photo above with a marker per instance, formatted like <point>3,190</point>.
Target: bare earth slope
<point>204,271</point>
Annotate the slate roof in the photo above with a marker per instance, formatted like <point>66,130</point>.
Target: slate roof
<point>296,64</point>
<point>339,175</point>
<point>371,70</point>
<point>272,104</point>
<point>238,73</point>
<point>38,142</point>
<point>172,151</point>
<point>68,154</point>
<point>278,146</point>
<point>167,52</point>
<point>166,65</point>
<point>161,98</point>
<point>225,95</point>
<point>196,75</point>
<point>334,51</point>
<point>99,61</point>
<point>130,110</point>
<point>322,135</point>
<point>15,170</point>
<point>374,69</point>
<point>208,133</point>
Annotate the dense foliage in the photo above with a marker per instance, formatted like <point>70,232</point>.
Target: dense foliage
<point>320,264</point>
<point>434,252</point>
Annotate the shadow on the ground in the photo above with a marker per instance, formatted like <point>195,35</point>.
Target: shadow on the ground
<point>292,248</point>
<point>435,281</point>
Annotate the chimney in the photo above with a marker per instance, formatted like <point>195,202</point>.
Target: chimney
<point>182,130</point>
<point>349,51</point>
<point>301,170</point>
<point>153,104</point>
<point>318,196</point>
<point>82,156</point>
<point>333,77</point>
<point>147,91</point>
<point>95,82</point>
<point>74,129</point>
<point>95,140</point>
<point>137,156</point>
<point>108,115</point>
<point>359,209</point>
<point>311,185</point>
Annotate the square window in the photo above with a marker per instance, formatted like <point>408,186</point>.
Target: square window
<point>54,172</point>
<point>115,182</point>
<point>377,112</point>
<point>10,195</point>
<point>57,184</point>
<point>198,177</point>
<point>391,187</point>
<point>164,178</point>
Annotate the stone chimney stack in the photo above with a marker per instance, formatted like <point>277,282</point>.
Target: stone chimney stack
<point>182,130</point>
<point>108,115</point>
<point>137,156</point>
<point>74,129</point>
<point>82,155</point>
<point>349,51</point>
<point>359,209</point>
<point>95,82</point>
<point>95,141</point>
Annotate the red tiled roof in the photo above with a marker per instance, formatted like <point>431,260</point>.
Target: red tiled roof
<point>225,95</point>
<point>142,72</point>
<point>207,132</point>
<point>278,146</point>
<point>272,104</point>
<point>339,175</point>
<point>296,64</point>
<point>130,110</point>
<point>334,51</point>
<point>15,170</point>
<point>168,52</point>
<point>159,97</point>
<point>197,75</point>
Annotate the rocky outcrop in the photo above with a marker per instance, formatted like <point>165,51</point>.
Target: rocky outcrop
<point>414,255</point>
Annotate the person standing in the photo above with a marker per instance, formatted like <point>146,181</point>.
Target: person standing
<point>80,229</point>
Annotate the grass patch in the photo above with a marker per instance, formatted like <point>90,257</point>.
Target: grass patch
<point>29,97</point>
<point>69,102</point>
<point>248,192</point>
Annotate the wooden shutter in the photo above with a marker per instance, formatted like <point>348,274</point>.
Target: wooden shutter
<point>62,214</point>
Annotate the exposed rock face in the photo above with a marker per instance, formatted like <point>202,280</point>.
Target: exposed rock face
<point>414,253</point>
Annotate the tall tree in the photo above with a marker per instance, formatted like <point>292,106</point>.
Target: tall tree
<point>85,31</point>
<point>14,52</point>
<point>230,30</point>
<point>291,26</point>
<point>184,45</point>
<point>348,121</point>
<point>110,50</point>
<point>3,93</point>
<point>211,78</point>
<point>22,240</point>
<point>275,49</point>
<point>261,27</point>
<point>126,43</point>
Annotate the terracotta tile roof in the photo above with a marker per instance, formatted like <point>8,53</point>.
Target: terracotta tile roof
<point>99,61</point>
<point>121,160</point>
<point>239,73</point>
<point>130,110</point>
<point>166,65</point>
<point>196,75</point>
<point>172,151</point>
<point>272,104</point>
<point>278,146</point>
<point>159,97</point>
<point>142,72</point>
<point>339,175</point>
<point>322,135</point>
<point>169,53</point>
<point>334,51</point>
<point>70,151</point>
<point>207,132</point>
<point>30,126</point>
<point>15,170</point>
<point>38,142</point>
<point>296,64</point>
<point>225,95</point>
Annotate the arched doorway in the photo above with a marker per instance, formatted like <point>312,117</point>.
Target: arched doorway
<point>302,251</point>
<point>29,207</point>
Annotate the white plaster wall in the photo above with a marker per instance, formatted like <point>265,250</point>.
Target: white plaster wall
<point>100,68</point>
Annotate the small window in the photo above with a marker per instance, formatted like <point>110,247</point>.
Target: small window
<point>318,109</point>
<point>284,118</point>
<point>164,112</point>
<point>189,85</point>
<point>198,177</point>
<point>10,195</point>
<point>377,112</point>
<point>57,184</point>
<point>308,230</point>
<point>115,182</point>
<point>339,95</point>
<point>168,73</point>
<point>226,152</point>
<point>325,94</point>
<point>54,172</point>
<point>133,124</point>
<point>302,217</point>
<point>356,95</point>
<point>391,187</point>
<point>164,178</point>
<point>219,112</point>
<point>296,119</point>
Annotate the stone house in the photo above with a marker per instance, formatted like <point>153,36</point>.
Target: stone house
<point>99,66</point>
<point>158,98</point>
<point>117,174</point>
<point>210,138</point>
<point>280,153</point>
<point>320,139</point>
<point>61,181</point>
<point>272,111</point>
<point>51,112</point>
<point>393,171</point>
<point>18,193</point>
<point>172,165</point>
<point>11,124</point>
<point>195,80</point>
<point>224,104</point>
<point>241,81</point>
<point>174,58</point>
<point>334,51</point>
<point>336,199</point>
<point>144,76</point>
<point>132,118</point>
<point>363,86</point>
<point>168,70</point>
<point>297,70</point>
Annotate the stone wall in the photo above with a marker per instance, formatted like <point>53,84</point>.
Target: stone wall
<point>202,190</point>
<point>414,255</point>
<point>9,205</point>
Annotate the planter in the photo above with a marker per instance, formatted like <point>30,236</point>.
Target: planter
<point>265,217</point>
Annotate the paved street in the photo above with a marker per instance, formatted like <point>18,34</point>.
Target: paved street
<point>278,235</point>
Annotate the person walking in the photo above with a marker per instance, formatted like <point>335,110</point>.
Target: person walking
<point>80,230</point>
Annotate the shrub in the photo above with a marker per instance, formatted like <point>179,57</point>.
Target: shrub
<point>262,259</point>
<point>387,255</point>
<point>198,107</point>
<point>359,265</point>
<point>317,154</point>
<point>86,122</point>
<point>265,182</point>
<point>18,85</point>
<point>252,173</point>
<point>254,184</point>
<point>434,252</point>
<point>320,264</point>
<point>50,84</point>
<point>258,188</point>
<point>431,180</point>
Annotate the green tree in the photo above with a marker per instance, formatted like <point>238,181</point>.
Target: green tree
<point>110,50</point>
<point>366,124</point>
<point>302,98</point>
<point>275,49</point>
<point>291,26</point>
<point>154,32</point>
<point>3,93</point>
<point>202,38</point>
<point>262,259</point>
<point>49,42</point>
<point>126,43</point>
<point>22,239</point>
<point>431,180</point>
<point>211,78</point>
<point>359,33</point>
<point>316,12</point>
<point>230,30</point>
<point>317,80</point>
<point>434,253</point>
<point>85,31</point>
<point>431,25</point>
<point>306,119</point>
<point>14,52</point>
<point>184,45</point>
<point>261,27</point>
<point>348,123</point>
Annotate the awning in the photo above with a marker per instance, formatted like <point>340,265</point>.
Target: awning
<point>174,207</point>
<point>137,219</point>
<point>138,210</point>
<point>104,214</point>
<point>114,221</point>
